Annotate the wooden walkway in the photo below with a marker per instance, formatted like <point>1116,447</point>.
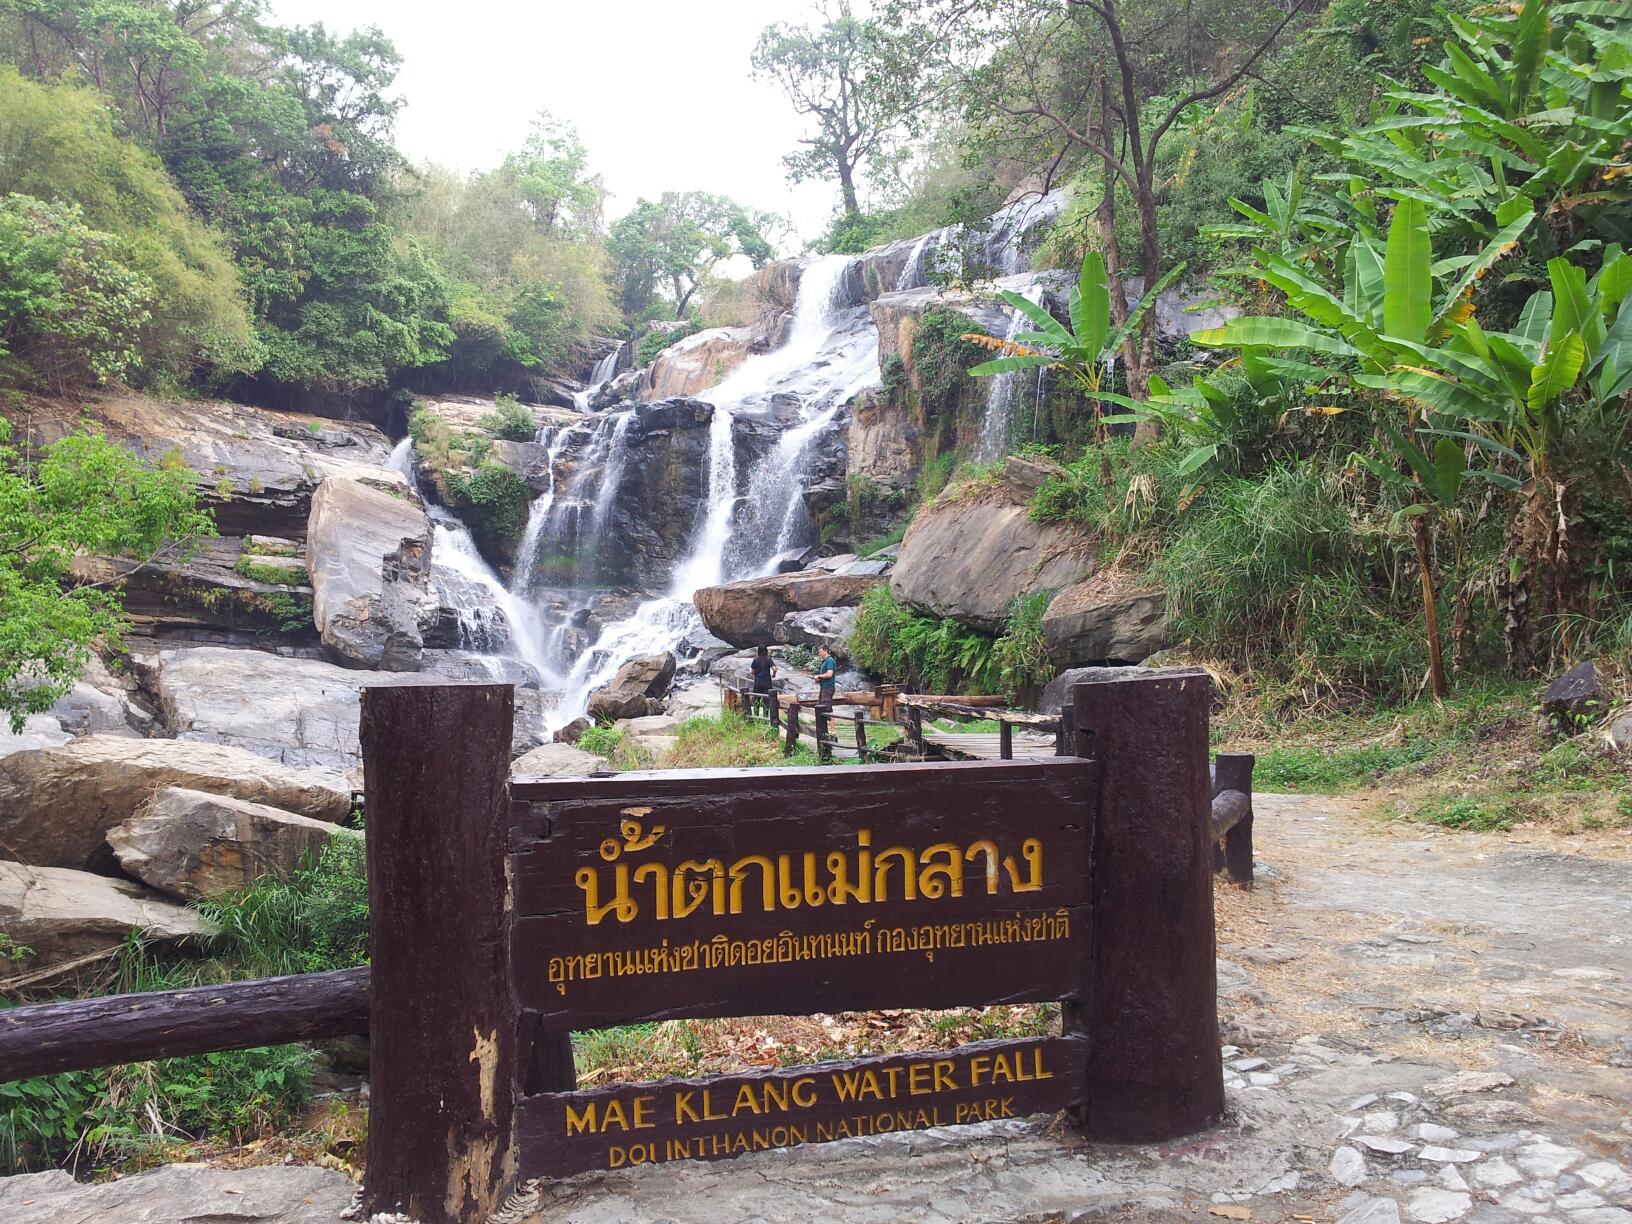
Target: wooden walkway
<point>987,746</point>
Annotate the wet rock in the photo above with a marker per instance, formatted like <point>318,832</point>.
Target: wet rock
<point>369,554</point>
<point>182,1194</point>
<point>970,558</point>
<point>191,844</point>
<point>64,915</point>
<point>830,627</point>
<point>551,759</point>
<point>57,804</point>
<point>638,682</point>
<point>748,613</point>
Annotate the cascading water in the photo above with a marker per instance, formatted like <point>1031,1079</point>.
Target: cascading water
<point>996,420</point>
<point>996,249</point>
<point>831,353</point>
<point>605,368</point>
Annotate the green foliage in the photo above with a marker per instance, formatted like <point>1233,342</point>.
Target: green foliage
<point>931,654</point>
<point>131,242</point>
<point>272,575</point>
<point>1466,812</point>
<point>510,420</point>
<point>726,740</point>
<point>935,474</point>
<point>602,739</point>
<point>1021,653</point>
<point>310,921</point>
<point>658,337</point>
<point>496,499</point>
<point>82,494</point>
<point>1326,771</point>
<point>664,249</point>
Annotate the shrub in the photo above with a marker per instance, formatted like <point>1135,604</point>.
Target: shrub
<point>723,741</point>
<point>602,739</point>
<point>928,653</point>
<point>510,420</point>
<point>498,500</point>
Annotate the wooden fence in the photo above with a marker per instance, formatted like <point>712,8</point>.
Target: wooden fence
<point>507,913</point>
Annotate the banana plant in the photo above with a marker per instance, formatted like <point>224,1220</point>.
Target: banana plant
<point>1080,350</point>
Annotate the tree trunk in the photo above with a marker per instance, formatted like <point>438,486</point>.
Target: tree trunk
<point>1150,270</point>
<point>847,187</point>
<point>1436,664</point>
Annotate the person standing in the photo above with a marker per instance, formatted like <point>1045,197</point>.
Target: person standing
<point>764,674</point>
<point>827,676</point>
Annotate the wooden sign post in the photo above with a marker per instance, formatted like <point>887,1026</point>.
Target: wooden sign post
<point>507,914</point>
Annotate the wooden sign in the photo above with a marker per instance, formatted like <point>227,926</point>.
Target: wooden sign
<point>730,1115</point>
<point>793,891</point>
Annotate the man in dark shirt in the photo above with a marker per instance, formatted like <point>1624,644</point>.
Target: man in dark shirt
<point>827,676</point>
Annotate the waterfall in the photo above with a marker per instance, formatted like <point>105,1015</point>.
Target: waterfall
<point>1001,389</point>
<point>602,374</point>
<point>538,514</point>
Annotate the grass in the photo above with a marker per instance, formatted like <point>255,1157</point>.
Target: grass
<point>728,740</point>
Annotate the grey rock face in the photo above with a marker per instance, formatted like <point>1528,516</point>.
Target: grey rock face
<point>182,1194</point>
<point>369,554</point>
<point>301,712</point>
<point>63,914</point>
<point>192,844</point>
<point>57,804</point>
<point>638,683</point>
<point>830,627</point>
<point>547,760</point>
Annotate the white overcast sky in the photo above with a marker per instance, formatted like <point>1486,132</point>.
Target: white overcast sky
<point>660,91</point>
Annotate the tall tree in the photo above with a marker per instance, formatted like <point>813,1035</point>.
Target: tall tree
<point>852,78</point>
<point>673,243</point>
<point>1106,80</point>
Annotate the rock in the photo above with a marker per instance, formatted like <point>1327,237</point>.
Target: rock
<point>98,703</point>
<point>1443,1155</point>
<point>833,564</point>
<point>1092,622</point>
<point>830,627</point>
<point>573,731</point>
<point>551,759</point>
<point>1367,1209</point>
<point>1496,1174</point>
<point>182,1194</point>
<point>64,914</point>
<point>970,558</point>
<point>300,712</point>
<point>39,731</point>
<point>1429,1132</point>
<point>1432,1205</point>
<point>748,613</point>
<point>1574,700</point>
<point>1056,690</point>
<point>1545,1159</point>
<point>650,724</point>
<point>1606,1176</point>
<point>369,554</point>
<point>696,363</point>
<point>192,844</point>
<point>704,647</point>
<point>638,680</point>
<point>1348,1167</point>
<point>57,804</point>
<point>1385,1144</point>
<point>1025,474</point>
<point>1464,1083</point>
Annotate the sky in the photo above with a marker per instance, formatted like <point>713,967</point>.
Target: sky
<point>660,91</point>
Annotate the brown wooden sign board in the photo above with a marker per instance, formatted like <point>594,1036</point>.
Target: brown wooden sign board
<point>796,891</point>
<point>717,1118</point>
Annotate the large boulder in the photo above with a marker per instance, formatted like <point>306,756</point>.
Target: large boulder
<point>369,554</point>
<point>1098,622</point>
<point>57,804</point>
<point>830,627</point>
<point>302,712</point>
<point>639,683</point>
<point>193,844</point>
<point>747,613</point>
<point>547,760</point>
<point>693,365</point>
<point>971,556</point>
<point>64,915</point>
<point>39,731</point>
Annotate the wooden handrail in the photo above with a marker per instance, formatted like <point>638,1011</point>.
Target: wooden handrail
<point>46,1038</point>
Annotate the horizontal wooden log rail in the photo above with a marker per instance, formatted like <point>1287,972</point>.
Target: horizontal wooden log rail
<point>47,1038</point>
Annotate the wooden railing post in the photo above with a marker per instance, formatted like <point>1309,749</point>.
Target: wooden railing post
<point>771,710</point>
<point>861,736</point>
<point>443,1017</point>
<point>1005,741</point>
<point>792,740</point>
<point>915,730</point>
<point>1232,771</point>
<point>1149,1008</point>
<point>824,748</point>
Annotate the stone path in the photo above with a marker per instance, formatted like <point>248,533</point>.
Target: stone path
<point>1423,1027</point>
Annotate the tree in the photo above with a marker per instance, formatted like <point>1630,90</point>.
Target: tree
<point>852,77</point>
<point>674,242</point>
<point>551,175</point>
<point>82,494</point>
<point>1078,79</point>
